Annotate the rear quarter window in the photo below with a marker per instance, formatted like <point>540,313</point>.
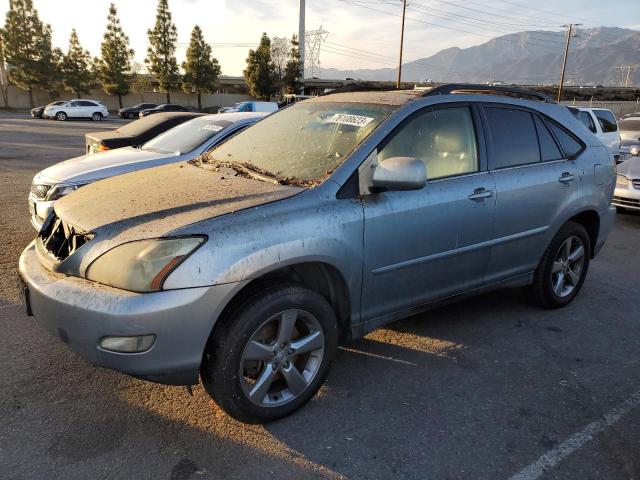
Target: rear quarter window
<point>570,145</point>
<point>607,121</point>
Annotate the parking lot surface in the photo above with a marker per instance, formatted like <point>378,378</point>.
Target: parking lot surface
<point>488,388</point>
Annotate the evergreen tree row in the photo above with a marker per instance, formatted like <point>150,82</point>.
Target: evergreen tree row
<point>32,62</point>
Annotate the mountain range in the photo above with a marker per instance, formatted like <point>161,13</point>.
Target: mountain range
<point>529,57</point>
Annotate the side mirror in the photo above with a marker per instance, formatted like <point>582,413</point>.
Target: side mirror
<point>400,173</point>
<point>635,151</point>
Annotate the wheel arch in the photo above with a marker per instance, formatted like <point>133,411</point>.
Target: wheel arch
<point>318,276</point>
<point>590,220</point>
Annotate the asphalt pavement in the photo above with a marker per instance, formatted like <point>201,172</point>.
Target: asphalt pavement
<point>489,388</point>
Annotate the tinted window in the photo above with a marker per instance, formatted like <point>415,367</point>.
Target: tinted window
<point>443,139</point>
<point>74,104</point>
<point>514,138</point>
<point>548,147</point>
<point>586,118</point>
<point>87,104</point>
<point>570,146</point>
<point>607,120</point>
<point>187,136</point>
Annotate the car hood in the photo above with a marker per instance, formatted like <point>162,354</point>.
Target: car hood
<point>630,137</point>
<point>630,168</point>
<point>153,203</point>
<point>89,168</point>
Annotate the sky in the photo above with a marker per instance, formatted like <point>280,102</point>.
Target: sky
<point>361,33</point>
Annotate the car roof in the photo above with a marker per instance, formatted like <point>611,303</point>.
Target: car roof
<point>382,97</point>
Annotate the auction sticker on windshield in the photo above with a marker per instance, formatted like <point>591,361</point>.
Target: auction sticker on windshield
<point>347,119</point>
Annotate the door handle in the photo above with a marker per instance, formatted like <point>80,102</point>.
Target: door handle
<point>479,194</point>
<point>566,178</point>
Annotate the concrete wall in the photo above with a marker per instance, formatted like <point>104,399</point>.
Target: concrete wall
<point>19,98</point>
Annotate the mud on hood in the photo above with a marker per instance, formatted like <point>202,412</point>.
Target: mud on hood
<point>151,203</point>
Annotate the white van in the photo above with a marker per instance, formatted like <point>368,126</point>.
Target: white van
<point>603,124</point>
<point>250,107</point>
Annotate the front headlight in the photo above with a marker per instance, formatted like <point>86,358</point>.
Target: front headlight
<point>622,181</point>
<point>142,265</point>
<point>59,191</point>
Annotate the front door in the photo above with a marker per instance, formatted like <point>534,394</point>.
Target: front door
<point>430,243</point>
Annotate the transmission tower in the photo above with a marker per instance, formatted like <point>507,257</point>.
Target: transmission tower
<point>313,40</point>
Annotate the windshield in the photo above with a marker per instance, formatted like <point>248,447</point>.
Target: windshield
<point>187,136</point>
<point>304,142</point>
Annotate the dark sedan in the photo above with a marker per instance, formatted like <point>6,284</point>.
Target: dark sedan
<point>135,133</point>
<point>165,107</point>
<point>133,112</point>
<point>39,111</point>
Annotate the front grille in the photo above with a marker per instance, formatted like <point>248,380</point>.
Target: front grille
<point>40,191</point>
<point>626,202</point>
<point>61,239</point>
<point>636,184</point>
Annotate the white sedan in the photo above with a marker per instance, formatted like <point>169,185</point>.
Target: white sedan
<point>77,108</point>
<point>183,142</point>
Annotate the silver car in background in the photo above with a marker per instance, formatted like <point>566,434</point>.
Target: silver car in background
<point>627,193</point>
<point>322,222</point>
<point>183,142</point>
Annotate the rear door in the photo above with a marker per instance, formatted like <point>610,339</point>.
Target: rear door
<point>426,244</point>
<point>535,181</point>
<point>88,108</point>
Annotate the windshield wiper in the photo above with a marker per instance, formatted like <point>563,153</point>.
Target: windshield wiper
<point>249,170</point>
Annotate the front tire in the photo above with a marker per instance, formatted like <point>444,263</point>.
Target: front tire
<point>61,116</point>
<point>563,268</point>
<point>271,354</point>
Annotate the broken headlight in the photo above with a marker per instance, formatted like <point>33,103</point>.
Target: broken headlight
<point>142,265</point>
<point>59,191</point>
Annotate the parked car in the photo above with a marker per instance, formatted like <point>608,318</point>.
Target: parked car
<point>323,221</point>
<point>165,107</point>
<point>135,133</point>
<point>602,123</point>
<point>627,193</point>
<point>39,111</point>
<point>133,112</point>
<point>182,142</point>
<point>92,109</point>
<point>251,107</point>
<point>629,133</point>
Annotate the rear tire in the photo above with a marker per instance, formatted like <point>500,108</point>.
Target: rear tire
<point>270,354</point>
<point>563,268</point>
<point>61,116</point>
<point>96,117</point>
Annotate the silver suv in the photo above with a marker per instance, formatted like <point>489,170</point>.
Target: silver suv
<point>324,221</point>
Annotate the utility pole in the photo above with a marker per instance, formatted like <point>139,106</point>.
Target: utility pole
<point>301,44</point>
<point>404,9</point>
<point>566,55</point>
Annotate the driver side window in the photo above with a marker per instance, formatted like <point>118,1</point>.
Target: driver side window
<point>444,139</point>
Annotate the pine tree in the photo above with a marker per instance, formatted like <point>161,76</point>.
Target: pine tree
<point>140,83</point>
<point>280,47</point>
<point>4,84</point>
<point>31,60</point>
<point>114,64</point>
<point>75,67</point>
<point>200,69</point>
<point>161,52</point>
<point>293,71</point>
<point>260,72</point>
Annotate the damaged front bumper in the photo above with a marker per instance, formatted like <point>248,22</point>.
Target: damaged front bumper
<point>82,313</point>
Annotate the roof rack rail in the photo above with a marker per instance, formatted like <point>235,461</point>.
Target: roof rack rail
<point>448,88</point>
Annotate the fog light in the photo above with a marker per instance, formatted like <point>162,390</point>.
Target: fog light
<point>137,344</point>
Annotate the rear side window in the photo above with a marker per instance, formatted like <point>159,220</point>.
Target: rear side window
<point>570,146</point>
<point>84,103</point>
<point>548,147</point>
<point>607,121</point>
<point>585,118</point>
<point>513,136</point>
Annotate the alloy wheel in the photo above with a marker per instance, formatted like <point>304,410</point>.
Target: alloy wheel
<point>282,358</point>
<point>567,266</point>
